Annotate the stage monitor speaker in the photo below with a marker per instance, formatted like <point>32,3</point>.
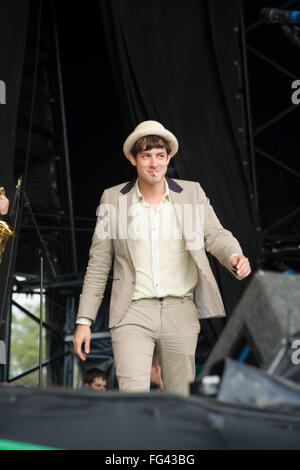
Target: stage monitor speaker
<point>266,317</point>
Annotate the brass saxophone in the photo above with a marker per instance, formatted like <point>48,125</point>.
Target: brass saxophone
<point>5,231</point>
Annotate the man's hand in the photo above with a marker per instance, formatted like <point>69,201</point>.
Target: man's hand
<point>82,335</point>
<point>241,264</point>
<point>4,205</point>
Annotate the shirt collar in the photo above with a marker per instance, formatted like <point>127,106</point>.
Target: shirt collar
<point>138,197</point>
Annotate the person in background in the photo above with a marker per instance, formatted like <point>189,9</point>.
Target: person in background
<point>4,205</point>
<point>155,376</point>
<point>95,378</point>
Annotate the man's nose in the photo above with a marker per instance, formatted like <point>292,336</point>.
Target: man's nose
<point>153,161</point>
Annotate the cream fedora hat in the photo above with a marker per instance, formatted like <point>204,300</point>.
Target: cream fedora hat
<point>150,128</point>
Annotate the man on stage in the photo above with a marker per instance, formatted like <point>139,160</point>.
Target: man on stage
<point>157,230</point>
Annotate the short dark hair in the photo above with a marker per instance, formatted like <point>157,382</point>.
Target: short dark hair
<point>149,142</point>
<point>91,374</point>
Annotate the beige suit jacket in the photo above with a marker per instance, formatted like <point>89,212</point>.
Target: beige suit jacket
<point>217,241</point>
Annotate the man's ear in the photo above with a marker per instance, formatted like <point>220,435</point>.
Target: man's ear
<point>132,159</point>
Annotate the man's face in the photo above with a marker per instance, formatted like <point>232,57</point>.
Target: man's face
<point>151,165</point>
<point>99,384</point>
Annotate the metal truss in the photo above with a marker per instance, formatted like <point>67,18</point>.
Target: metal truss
<point>41,134</point>
<point>282,249</point>
<point>66,282</point>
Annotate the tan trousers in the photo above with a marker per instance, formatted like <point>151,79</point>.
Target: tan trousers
<point>172,326</point>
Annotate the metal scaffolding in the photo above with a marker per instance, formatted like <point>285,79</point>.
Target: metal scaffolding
<point>42,136</point>
<point>280,232</point>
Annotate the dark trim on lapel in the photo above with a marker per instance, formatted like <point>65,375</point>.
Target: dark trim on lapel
<point>128,186</point>
<point>171,183</point>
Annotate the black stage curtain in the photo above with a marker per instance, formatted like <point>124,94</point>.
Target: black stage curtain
<point>13,25</point>
<point>175,62</point>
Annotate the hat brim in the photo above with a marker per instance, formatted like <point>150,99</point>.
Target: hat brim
<point>152,128</point>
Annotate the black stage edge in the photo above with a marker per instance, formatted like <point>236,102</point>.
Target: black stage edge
<point>73,420</point>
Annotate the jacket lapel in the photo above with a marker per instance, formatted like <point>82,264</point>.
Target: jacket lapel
<point>124,216</point>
